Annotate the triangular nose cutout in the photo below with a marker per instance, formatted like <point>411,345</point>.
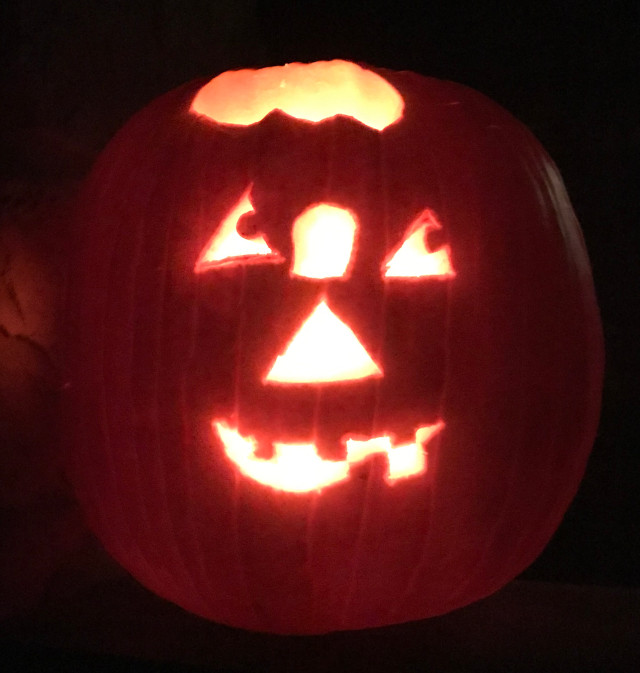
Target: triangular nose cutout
<point>323,350</point>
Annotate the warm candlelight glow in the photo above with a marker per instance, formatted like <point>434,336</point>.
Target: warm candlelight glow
<point>313,92</point>
<point>298,468</point>
<point>323,238</point>
<point>411,259</point>
<point>323,350</point>
<point>227,246</point>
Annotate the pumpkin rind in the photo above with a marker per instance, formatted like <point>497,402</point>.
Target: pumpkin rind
<point>508,353</point>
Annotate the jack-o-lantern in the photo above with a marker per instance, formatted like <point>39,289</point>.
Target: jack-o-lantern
<point>336,358</point>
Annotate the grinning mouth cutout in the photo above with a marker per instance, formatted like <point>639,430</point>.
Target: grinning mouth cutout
<point>299,468</point>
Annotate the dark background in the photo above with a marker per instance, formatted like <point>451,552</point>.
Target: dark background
<point>73,72</point>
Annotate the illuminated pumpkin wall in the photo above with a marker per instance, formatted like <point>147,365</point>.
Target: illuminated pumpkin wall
<point>335,358</point>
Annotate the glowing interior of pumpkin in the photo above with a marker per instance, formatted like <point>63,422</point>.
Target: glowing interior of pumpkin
<point>313,92</point>
<point>323,239</point>
<point>298,468</point>
<point>411,259</point>
<point>323,350</point>
<point>227,246</point>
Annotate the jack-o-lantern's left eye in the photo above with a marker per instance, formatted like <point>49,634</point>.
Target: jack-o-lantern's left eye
<point>412,258</point>
<point>227,247</point>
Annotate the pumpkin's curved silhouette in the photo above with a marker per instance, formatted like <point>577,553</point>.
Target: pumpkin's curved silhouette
<point>336,358</point>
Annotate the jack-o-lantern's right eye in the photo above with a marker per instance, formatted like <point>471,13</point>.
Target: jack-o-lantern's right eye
<point>226,247</point>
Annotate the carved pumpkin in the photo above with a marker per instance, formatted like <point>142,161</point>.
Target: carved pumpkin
<point>336,358</point>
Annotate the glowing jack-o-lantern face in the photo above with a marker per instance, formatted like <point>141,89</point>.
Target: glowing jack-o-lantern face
<point>324,349</point>
<point>324,243</point>
<point>335,358</point>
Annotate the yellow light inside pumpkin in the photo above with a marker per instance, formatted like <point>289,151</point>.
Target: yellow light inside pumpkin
<point>411,259</point>
<point>227,246</point>
<point>313,92</point>
<point>408,459</point>
<point>323,350</point>
<point>323,238</point>
<point>294,467</point>
<point>298,468</point>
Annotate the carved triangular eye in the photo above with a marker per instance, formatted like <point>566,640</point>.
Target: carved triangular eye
<point>227,247</point>
<point>412,259</point>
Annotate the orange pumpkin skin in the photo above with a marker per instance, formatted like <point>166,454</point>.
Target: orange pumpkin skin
<point>508,354</point>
